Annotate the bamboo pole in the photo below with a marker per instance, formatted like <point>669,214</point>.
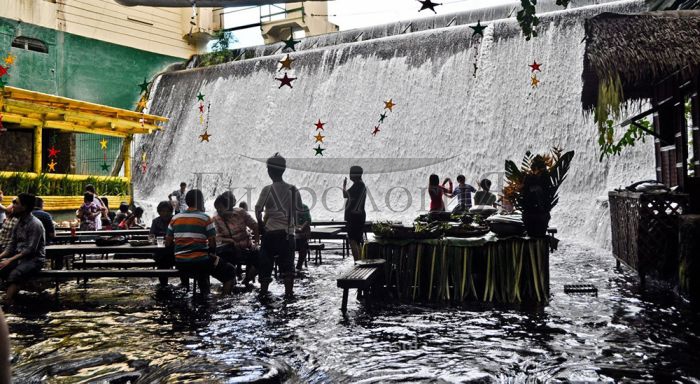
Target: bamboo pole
<point>59,176</point>
<point>127,157</point>
<point>38,148</point>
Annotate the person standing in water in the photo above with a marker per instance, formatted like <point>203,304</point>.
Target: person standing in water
<point>355,209</point>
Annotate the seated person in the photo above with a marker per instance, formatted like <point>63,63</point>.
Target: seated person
<point>46,220</point>
<point>106,220</point>
<point>24,257</point>
<point>159,225</point>
<point>133,221</point>
<point>484,197</point>
<point>121,215</point>
<point>88,213</point>
<point>193,234</point>
<point>3,209</point>
<point>233,243</point>
<point>6,229</point>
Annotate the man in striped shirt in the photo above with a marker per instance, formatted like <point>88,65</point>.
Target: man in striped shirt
<point>193,234</point>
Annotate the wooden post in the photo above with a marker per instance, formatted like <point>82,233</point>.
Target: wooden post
<point>38,148</point>
<point>127,157</point>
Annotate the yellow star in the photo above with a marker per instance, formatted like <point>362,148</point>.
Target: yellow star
<point>319,138</point>
<point>286,63</point>
<point>143,157</point>
<point>52,166</point>
<point>204,137</point>
<point>103,144</point>
<point>142,103</point>
<point>9,60</point>
<point>389,105</point>
<point>534,81</point>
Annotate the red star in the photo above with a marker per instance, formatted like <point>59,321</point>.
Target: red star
<point>201,108</point>
<point>535,66</point>
<point>319,124</point>
<point>286,80</point>
<point>376,130</point>
<point>53,152</point>
<point>143,167</point>
<point>3,71</point>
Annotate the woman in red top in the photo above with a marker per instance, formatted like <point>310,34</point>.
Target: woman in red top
<point>435,190</point>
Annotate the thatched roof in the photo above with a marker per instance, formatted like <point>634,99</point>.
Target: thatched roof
<point>641,50</point>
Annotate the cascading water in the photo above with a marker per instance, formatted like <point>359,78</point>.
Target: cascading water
<point>447,120</point>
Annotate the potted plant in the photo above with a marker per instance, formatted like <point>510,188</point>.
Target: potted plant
<point>533,188</point>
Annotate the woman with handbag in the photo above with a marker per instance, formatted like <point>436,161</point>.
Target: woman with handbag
<point>233,243</point>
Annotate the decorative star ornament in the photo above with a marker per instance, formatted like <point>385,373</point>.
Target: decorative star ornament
<point>142,104</point>
<point>52,166</point>
<point>144,85</point>
<point>9,60</point>
<point>204,137</point>
<point>382,117</point>
<point>143,167</point>
<point>534,81</point>
<point>53,152</point>
<point>478,29</point>
<point>200,96</point>
<point>103,144</point>
<point>389,105</point>
<point>104,167</point>
<point>291,43</point>
<point>3,71</point>
<point>286,63</point>
<point>319,138</point>
<point>286,80</point>
<point>143,156</point>
<point>376,130</point>
<point>319,150</point>
<point>2,82</point>
<point>535,66</point>
<point>201,108</point>
<point>319,124</point>
<point>427,4</point>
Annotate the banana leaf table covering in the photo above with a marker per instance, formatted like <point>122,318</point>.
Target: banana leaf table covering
<point>509,270</point>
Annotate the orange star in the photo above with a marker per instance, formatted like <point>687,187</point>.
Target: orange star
<point>52,166</point>
<point>9,60</point>
<point>389,105</point>
<point>534,81</point>
<point>286,63</point>
<point>535,66</point>
<point>319,138</point>
<point>143,156</point>
<point>142,103</point>
<point>204,137</point>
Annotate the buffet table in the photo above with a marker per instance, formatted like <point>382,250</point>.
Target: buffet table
<point>509,270</point>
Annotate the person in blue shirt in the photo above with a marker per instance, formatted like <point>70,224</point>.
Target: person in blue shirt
<point>463,192</point>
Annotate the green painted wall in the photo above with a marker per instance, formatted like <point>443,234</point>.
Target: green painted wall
<point>83,69</point>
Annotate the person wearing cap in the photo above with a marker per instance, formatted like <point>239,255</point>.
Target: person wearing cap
<point>281,203</point>
<point>355,209</point>
<point>25,255</point>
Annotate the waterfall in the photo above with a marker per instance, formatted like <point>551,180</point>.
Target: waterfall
<point>446,120</point>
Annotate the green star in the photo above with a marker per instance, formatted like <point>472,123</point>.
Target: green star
<point>144,85</point>
<point>382,117</point>
<point>2,82</point>
<point>200,97</point>
<point>291,43</point>
<point>104,167</point>
<point>319,150</point>
<point>478,29</point>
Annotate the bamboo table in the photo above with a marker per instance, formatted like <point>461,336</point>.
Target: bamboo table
<point>509,270</point>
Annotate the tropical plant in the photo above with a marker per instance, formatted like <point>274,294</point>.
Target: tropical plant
<point>42,185</point>
<point>535,184</point>
<point>527,17</point>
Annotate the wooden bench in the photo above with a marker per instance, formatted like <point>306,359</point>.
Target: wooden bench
<point>95,273</point>
<point>125,263</point>
<point>317,248</point>
<point>361,277</point>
